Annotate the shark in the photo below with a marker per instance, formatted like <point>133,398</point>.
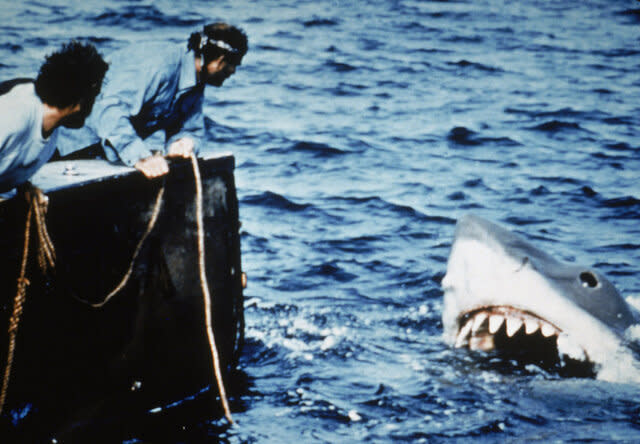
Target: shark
<point>502,294</point>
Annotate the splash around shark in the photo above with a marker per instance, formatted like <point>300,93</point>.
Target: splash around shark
<point>503,295</point>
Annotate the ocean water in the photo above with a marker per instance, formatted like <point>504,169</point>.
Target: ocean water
<point>362,131</point>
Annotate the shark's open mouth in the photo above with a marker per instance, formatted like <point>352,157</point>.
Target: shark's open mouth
<point>514,301</point>
<point>513,332</point>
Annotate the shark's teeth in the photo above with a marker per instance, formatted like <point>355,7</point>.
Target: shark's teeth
<point>478,321</point>
<point>488,322</point>
<point>513,320</point>
<point>513,325</point>
<point>548,330</point>
<point>483,330</point>
<point>464,334</point>
<point>531,326</point>
<point>495,322</point>
<point>480,327</point>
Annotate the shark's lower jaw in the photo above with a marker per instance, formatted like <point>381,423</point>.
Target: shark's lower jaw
<point>517,333</point>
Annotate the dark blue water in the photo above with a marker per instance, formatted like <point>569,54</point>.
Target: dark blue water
<point>362,131</point>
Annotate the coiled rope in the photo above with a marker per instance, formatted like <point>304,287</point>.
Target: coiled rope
<point>37,205</point>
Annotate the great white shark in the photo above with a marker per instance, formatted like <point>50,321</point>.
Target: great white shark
<point>501,293</point>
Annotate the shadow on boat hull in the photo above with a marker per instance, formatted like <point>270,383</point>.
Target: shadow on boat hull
<point>76,365</point>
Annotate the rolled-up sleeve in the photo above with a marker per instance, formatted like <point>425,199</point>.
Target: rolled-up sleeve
<point>141,84</point>
<point>122,97</point>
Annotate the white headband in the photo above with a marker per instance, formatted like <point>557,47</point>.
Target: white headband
<point>204,40</point>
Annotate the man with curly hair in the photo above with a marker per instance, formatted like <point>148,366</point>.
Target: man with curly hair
<point>31,111</point>
<point>157,89</point>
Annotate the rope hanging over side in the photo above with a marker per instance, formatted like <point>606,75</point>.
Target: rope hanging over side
<point>203,278</point>
<point>152,223</point>
<point>46,258</point>
<point>37,205</point>
<point>205,290</point>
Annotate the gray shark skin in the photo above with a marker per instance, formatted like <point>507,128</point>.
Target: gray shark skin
<point>502,293</point>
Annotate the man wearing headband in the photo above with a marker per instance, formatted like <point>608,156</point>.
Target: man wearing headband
<point>154,90</point>
<point>32,111</point>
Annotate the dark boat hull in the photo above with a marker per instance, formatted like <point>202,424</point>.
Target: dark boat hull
<point>76,365</point>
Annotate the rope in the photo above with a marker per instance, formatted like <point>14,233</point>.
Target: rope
<point>203,278</point>
<point>46,258</point>
<point>205,290</point>
<point>37,203</point>
<point>46,251</point>
<point>152,222</point>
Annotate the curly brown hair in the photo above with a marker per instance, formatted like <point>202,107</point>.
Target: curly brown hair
<point>71,75</point>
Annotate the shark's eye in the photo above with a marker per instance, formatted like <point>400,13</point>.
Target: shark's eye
<point>588,279</point>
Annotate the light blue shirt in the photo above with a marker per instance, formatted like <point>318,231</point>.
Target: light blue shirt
<point>149,87</point>
<point>23,149</point>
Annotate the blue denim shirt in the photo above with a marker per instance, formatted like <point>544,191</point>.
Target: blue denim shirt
<point>149,87</point>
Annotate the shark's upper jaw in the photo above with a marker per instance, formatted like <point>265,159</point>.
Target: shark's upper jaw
<point>481,329</point>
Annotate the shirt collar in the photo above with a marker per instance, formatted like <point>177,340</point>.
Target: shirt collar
<point>187,71</point>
